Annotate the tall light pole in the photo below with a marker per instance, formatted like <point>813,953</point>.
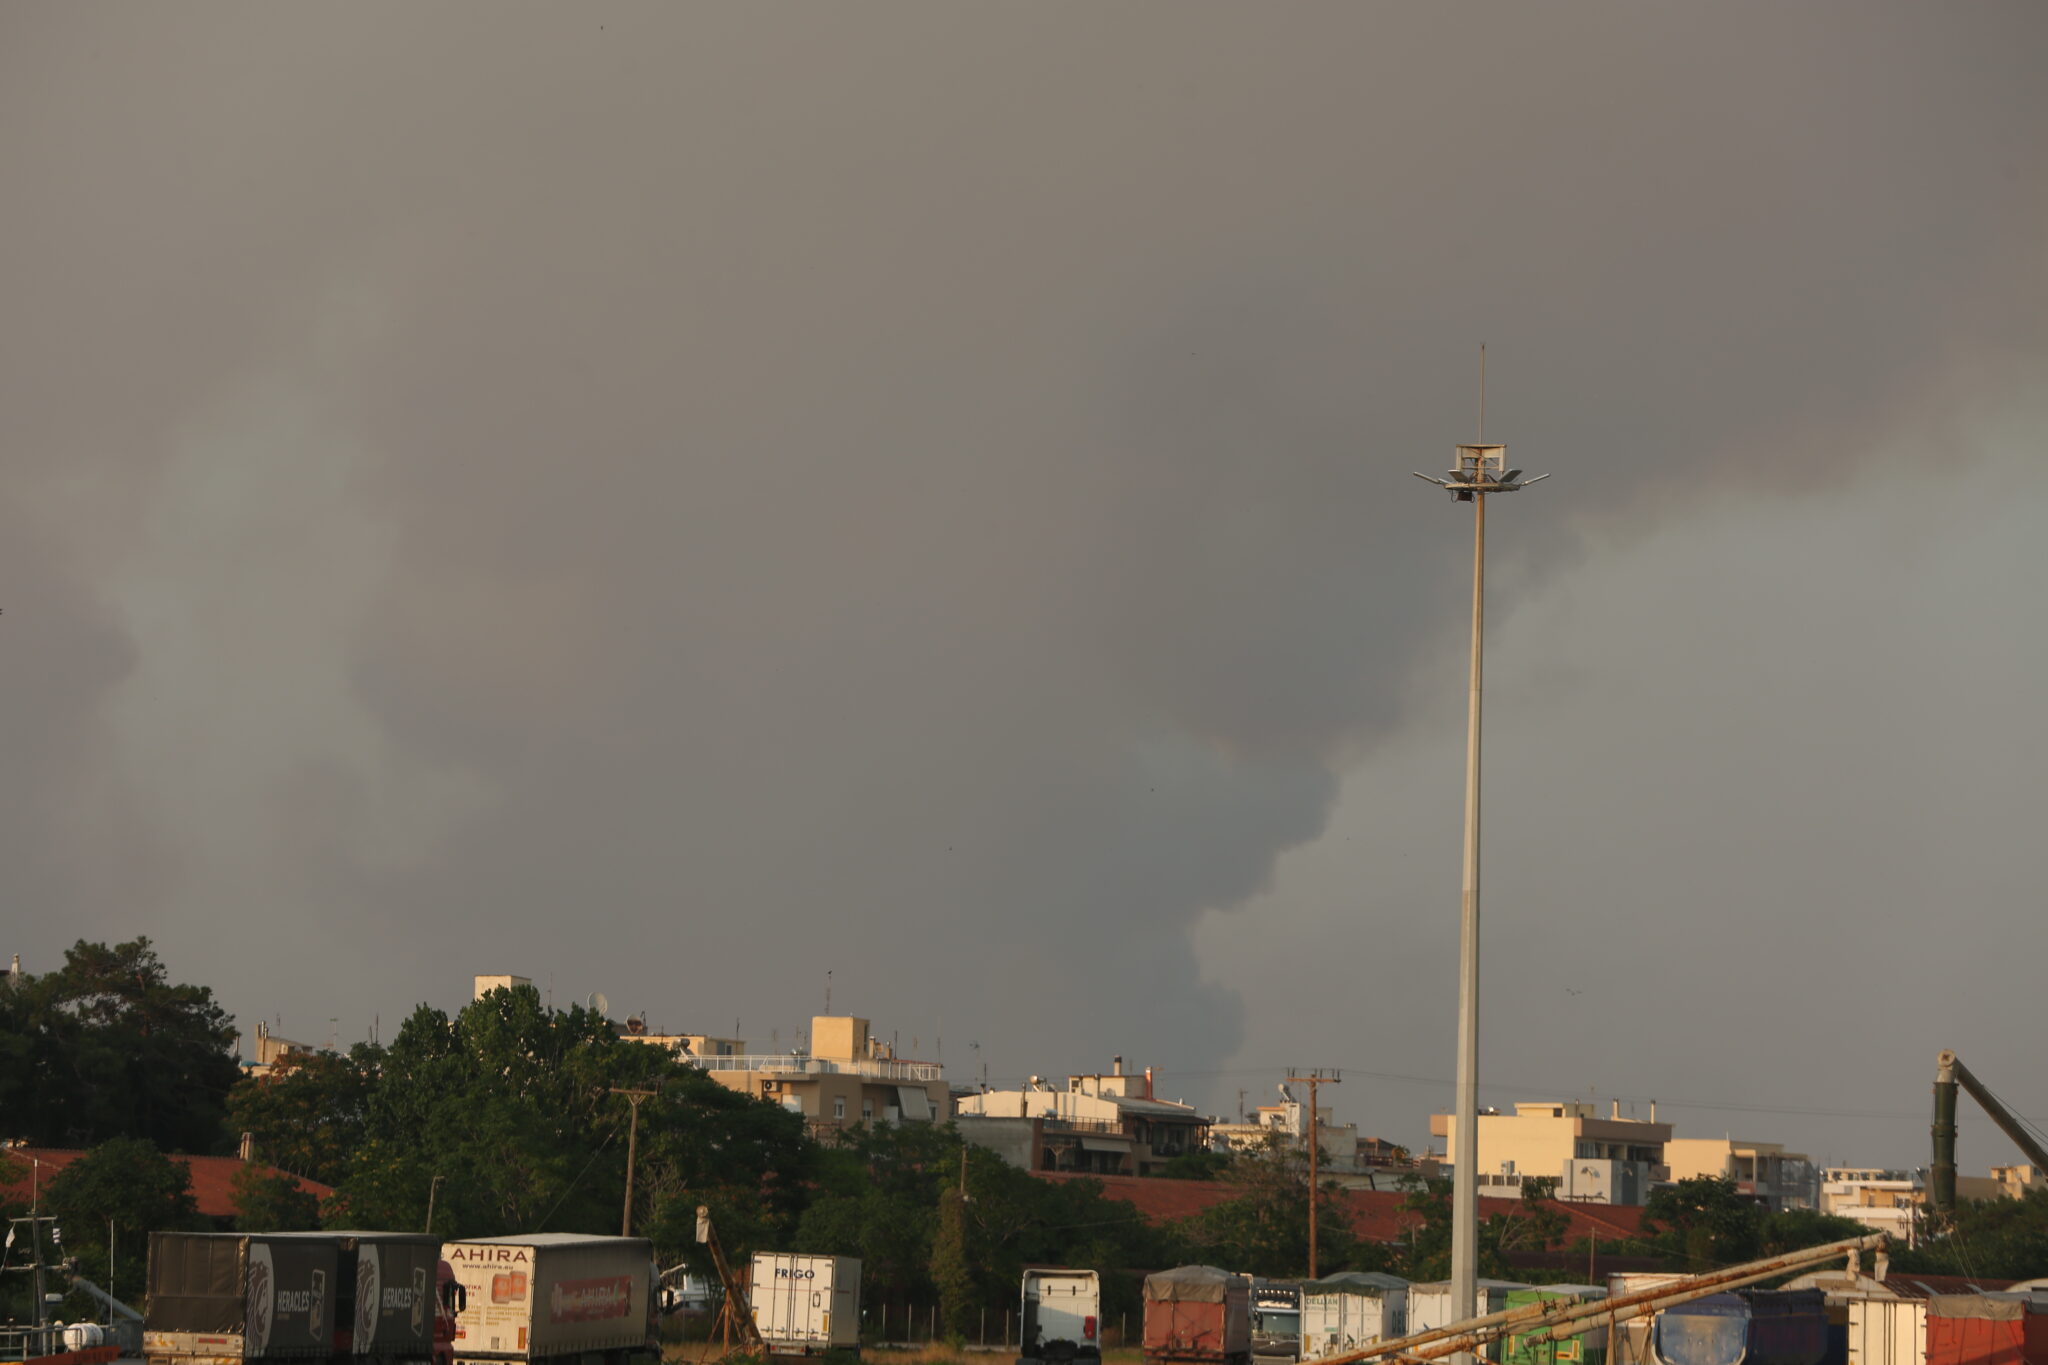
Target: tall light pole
<point>1481,470</point>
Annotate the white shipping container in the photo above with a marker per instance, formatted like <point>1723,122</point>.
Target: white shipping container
<point>805,1304</point>
<point>1887,1332</point>
<point>1062,1315</point>
<point>1430,1307</point>
<point>1340,1319</point>
<point>550,1294</point>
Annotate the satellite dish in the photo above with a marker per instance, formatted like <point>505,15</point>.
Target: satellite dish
<point>597,1004</point>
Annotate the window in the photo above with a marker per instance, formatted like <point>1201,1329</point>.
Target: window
<point>867,1111</point>
<point>839,1106</point>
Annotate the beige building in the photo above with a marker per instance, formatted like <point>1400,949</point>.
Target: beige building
<point>486,984</point>
<point>1595,1160</point>
<point>1111,1124</point>
<point>272,1049</point>
<point>1763,1170</point>
<point>1886,1201</point>
<point>1286,1123</point>
<point>847,1076</point>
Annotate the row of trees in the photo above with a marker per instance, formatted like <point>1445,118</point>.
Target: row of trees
<point>508,1117</point>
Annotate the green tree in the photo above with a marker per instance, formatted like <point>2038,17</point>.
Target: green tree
<point>311,1113</point>
<point>1195,1165</point>
<point>268,1200</point>
<point>2003,1239</point>
<point>513,1107</point>
<point>1702,1222</point>
<point>952,1273</point>
<point>129,1188</point>
<point>107,1046</point>
<point>1264,1230</point>
<point>1537,1223</point>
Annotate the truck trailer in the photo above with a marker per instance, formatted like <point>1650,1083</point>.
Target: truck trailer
<point>1200,1314</point>
<point>1746,1327</point>
<point>293,1296</point>
<point>552,1296</point>
<point>805,1305</point>
<point>217,1298</point>
<point>1342,1312</point>
<point>1062,1317</point>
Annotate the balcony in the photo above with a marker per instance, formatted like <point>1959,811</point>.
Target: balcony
<point>785,1064</point>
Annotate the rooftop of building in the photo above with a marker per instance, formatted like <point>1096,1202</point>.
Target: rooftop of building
<point>212,1177</point>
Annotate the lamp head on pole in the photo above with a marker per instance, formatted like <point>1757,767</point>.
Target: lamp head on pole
<point>1480,469</point>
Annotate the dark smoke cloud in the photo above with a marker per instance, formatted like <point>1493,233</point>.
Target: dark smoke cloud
<point>680,500</point>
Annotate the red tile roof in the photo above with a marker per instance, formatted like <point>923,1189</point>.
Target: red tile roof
<point>1375,1215</point>
<point>212,1177</point>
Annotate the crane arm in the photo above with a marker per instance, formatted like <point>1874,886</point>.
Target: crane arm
<point>1950,1073</point>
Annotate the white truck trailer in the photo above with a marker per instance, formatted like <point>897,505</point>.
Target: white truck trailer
<point>551,1295</point>
<point>1062,1317</point>
<point>1341,1313</point>
<point>805,1305</point>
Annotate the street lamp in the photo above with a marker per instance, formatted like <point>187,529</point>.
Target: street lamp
<point>1480,470</point>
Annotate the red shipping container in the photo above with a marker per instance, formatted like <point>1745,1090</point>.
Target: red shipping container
<point>1985,1329</point>
<point>1198,1313</point>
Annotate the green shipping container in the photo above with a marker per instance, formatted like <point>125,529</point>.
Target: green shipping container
<point>1533,1348</point>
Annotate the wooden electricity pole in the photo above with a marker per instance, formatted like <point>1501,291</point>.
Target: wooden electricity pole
<point>633,1097</point>
<point>1314,1079</point>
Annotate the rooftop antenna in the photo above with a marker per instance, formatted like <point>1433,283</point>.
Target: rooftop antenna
<point>828,992</point>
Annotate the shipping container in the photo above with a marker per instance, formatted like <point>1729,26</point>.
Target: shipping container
<point>1342,1313</point>
<point>1062,1317</point>
<point>1629,1343</point>
<point>1887,1332</point>
<point>1430,1306</point>
<point>1986,1329</point>
<point>1198,1313</point>
<point>1747,1327</point>
<point>1535,1348</point>
<point>223,1296</point>
<point>552,1294</point>
<point>806,1305</point>
<point>389,1283</point>
<point>1276,1319</point>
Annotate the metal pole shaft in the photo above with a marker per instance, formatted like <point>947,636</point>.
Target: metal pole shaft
<point>1465,1154</point>
<point>1314,1119</point>
<point>632,1151</point>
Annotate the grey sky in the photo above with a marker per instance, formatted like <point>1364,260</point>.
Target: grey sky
<point>677,499</point>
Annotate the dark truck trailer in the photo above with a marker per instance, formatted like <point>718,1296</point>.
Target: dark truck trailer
<point>231,1297</point>
<point>390,1307</point>
<point>1200,1314</point>
<point>291,1296</point>
<point>1747,1327</point>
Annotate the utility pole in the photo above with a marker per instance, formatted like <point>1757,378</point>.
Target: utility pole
<point>1314,1079</point>
<point>433,1188</point>
<point>1481,469</point>
<point>633,1097</point>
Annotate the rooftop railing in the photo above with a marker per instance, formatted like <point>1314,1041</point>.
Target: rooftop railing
<point>789,1064</point>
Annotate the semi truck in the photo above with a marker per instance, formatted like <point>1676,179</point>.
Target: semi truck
<point>805,1305</point>
<point>284,1296</point>
<point>1062,1317</point>
<point>552,1296</point>
<point>1198,1314</point>
<point>1276,1319</point>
